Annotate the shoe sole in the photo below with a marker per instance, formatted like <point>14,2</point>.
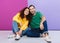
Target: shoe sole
<point>49,42</point>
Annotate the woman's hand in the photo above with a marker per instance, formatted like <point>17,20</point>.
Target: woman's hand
<point>20,32</point>
<point>20,24</point>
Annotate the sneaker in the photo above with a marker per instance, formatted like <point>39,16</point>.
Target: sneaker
<point>41,35</point>
<point>11,36</point>
<point>17,37</point>
<point>47,39</point>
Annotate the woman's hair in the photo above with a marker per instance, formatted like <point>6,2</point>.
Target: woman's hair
<point>28,17</point>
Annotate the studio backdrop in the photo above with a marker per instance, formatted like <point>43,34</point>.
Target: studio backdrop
<point>49,8</point>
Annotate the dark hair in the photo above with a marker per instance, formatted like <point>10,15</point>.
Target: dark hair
<point>28,17</point>
<point>31,5</point>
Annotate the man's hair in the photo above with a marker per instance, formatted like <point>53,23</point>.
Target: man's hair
<point>31,6</point>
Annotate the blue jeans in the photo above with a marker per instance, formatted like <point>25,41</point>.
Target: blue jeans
<point>31,32</point>
<point>16,29</point>
<point>35,32</point>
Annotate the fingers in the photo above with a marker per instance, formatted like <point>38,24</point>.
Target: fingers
<point>41,27</point>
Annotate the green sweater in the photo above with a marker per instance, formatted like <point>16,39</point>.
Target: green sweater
<point>36,19</point>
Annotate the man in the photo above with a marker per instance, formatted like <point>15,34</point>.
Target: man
<point>38,25</point>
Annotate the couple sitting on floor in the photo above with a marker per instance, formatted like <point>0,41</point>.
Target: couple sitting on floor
<point>31,23</point>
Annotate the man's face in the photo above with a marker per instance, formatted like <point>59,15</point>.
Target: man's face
<point>32,10</point>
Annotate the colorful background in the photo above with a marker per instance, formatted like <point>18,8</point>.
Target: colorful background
<point>49,8</point>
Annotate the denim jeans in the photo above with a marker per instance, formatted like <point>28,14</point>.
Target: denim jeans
<point>16,29</point>
<point>35,32</point>
<point>31,32</point>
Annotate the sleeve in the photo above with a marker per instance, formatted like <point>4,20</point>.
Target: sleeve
<point>40,14</point>
<point>16,18</point>
<point>23,27</point>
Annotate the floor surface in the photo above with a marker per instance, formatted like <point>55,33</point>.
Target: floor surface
<point>55,37</point>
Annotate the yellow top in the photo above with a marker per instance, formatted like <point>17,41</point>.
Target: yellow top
<point>22,23</point>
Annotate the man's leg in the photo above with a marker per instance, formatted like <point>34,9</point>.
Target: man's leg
<point>44,32</point>
<point>25,31</point>
<point>36,31</point>
<point>45,28</point>
<point>31,33</point>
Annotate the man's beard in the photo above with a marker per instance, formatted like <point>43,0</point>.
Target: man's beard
<point>33,13</point>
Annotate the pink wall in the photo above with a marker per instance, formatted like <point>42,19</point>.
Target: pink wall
<point>8,8</point>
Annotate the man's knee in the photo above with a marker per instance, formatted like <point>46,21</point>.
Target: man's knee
<point>45,26</point>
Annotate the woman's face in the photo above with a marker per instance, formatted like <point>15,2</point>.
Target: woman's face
<point>26,12</point>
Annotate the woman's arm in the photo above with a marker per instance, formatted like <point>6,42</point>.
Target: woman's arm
<point>24,26</point>
<point>17,18</point>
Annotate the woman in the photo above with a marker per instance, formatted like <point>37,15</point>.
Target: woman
<point>20,22</point>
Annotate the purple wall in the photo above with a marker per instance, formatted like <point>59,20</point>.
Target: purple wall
<point>51,9</point>
<point>8,8</point>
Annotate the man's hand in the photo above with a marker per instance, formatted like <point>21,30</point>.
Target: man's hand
<point>42,21</point>
<point>41,26</point>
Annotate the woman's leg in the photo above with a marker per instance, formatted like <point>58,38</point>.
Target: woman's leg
<point>16,30</point>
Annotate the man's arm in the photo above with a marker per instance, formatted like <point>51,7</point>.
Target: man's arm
<point>42,21</point>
